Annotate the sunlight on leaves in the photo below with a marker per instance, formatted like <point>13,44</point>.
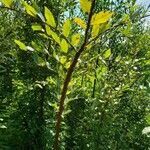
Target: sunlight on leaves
<point>80,22</point>
<point>67,65</point>
<point>7,3</point>
<point>49,17</point>
<point>30,10</point>
<point>107,53</point>
<point>52,34</point>
<point>37,27</point>
<point>146,130</point>
<point>21,45</point>
<point>64,46</point>
<point>75,40</point>
<point>95,30</point>
<point>63,59</point>
<point>101,17</point>
<point>85,5</point>
<point>66,28</point>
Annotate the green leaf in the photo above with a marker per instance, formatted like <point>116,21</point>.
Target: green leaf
<point>54,105</point>
<point>44,35</point>
<point>127,31</point>
<point>64,46</point>
<point>38,60</point>
<point>37,27</point>
<point>85,5</point>
<point>56,37</point>
<point>98,29</point>
<point>7,3</point>
<point>101,17</point>
<point>3,127</point>
<point>21,45</point>
<point>126,18</point>
<point>146,130</point>
<point>68,111</point>
<point>48,30</point>
<point>30,10</point>
<point>75,40</point>
<point>67,65</point>
<point>95,31</point>
<point>66,28</point>
<point>63,59</point>
<point>30,48</point>
<point>118,58</point>
<point>103,27</point>
<point>50,80</point>
<point>107,53</point>
<point>39,86</point>
<point>148,119</point>
<point>53,34</point>
<point>55,56</point>
<point>49,17</point>
<point>80,22</point>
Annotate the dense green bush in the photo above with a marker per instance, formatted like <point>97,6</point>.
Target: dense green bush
<point>70,81</point>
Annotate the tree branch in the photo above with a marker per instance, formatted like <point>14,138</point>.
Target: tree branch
<point>68,79</point>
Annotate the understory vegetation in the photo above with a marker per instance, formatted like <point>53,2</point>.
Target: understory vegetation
<point>74,75</point>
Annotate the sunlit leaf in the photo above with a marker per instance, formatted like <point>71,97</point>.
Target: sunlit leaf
<point>101,17</point>
<point>127,31</point>
<point>49,17</point>
<point>54,105</point>
<point>30,48</point>
<point>107,53</point>
<point>89,46</point>
<point>30,10</point>
<point>43,35</point>
<point>37,27</point>
<point>66,28</point>
<point>64,46</point>
<point>50,80</point>
<point>7,3</point>
<point>80,22</point>
<point>41,16</point>
<point>118,58</point>
<point>21,45</point>
<point>146,130</point>
<point>68,111</point>
<point>95,30</point>
<point>103,27</point>
<point>126,18</point>
<point>67,65</point>
<point>52,34</point>
<point>48,30</point>
<point>56,37</point>
<point>75,40</point>
<point>39,86</point>
<point>63,59</point>
<point>98,29</point>
<point>3,127</point>
<point>85,5</point>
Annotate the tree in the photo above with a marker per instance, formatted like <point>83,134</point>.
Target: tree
<point>94,59</point>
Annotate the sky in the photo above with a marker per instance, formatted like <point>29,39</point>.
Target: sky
<point>143,2</point>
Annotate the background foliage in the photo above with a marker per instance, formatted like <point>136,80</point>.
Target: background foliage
<point>107,104</point>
